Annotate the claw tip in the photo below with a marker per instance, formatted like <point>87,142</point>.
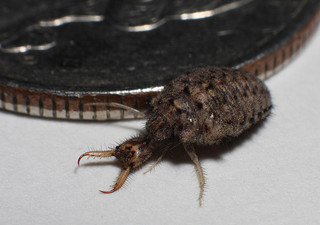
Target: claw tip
<point>106,192</point>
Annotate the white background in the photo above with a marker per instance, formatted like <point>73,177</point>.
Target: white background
<point>270,176</point>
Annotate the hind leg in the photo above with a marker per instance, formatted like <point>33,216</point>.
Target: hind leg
<point>192,154</point>
<point>118,106</point>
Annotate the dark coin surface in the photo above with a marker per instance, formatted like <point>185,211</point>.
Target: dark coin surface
<point>58,58</point>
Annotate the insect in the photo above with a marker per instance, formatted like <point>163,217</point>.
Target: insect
<point>201,107</point>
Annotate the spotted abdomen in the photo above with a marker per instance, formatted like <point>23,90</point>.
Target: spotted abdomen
<point>208,104</point>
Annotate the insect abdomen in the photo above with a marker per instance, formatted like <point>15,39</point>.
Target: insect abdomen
<point>211,103</point>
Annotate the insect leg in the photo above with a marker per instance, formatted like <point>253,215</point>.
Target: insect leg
<point>158,160</point>
<point>191,152</point>
<point>118,106</point>
<point>164,151</point>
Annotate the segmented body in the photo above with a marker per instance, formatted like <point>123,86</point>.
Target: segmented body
<point>208,104</point>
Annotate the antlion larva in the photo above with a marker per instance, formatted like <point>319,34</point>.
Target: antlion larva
<point>201,107</point>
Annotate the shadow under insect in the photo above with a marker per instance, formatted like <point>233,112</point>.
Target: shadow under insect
<point>215,152</point>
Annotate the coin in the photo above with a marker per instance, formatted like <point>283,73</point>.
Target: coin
<point>58,59</point>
